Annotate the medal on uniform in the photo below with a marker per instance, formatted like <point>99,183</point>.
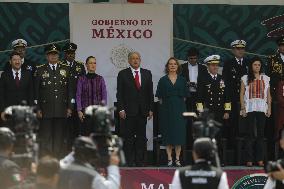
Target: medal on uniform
<point>48,82</point>
<point>277,68</point>
<point>63,73</point>
<point>78,69</point>
<point>45,74</point>
<point>222,84</point>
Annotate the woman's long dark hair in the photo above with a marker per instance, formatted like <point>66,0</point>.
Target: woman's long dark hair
<point>251,75</point>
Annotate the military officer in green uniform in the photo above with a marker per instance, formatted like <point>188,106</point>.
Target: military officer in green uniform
<point>276,74</point>
<point>77,69</point>
<point>53,95</point>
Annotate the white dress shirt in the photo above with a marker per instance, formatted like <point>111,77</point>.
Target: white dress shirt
<point>133,72</point>
<point>193,72</point>
<point>240,61</point>
<point>282,56</point>
<point>19,73</point>
<point>51,65</point>
<point>69,63</point>
<point>213,75</point>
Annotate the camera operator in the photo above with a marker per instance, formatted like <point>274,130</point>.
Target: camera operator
<point>9,171</point>
<point>47,172</point>
<point>202,174</point>
<point>81,173</point>
<point>275,169</point>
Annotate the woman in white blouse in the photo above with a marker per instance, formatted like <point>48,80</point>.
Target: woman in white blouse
<point>255,101</point>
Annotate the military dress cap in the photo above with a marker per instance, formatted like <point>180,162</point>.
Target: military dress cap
<point>213,59</point>
<point>52,48</point>
<point>19,43</point>
<point>238,44</point>
<point>70,47</point>
<point>280,40</point>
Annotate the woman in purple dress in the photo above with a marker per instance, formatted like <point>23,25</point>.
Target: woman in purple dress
<point>91,90</point>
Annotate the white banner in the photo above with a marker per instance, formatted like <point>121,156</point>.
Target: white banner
<point>110,31</point>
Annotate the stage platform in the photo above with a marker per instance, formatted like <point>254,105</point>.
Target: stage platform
<point>161,177</point>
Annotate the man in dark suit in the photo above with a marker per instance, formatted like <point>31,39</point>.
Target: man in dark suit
<point>233,70</point>
<point>19,46</point>
<point>52,94</point>
<point>77,69</point>
<point>134,104</point>
<point>16,85</point>
<point>191,69</point>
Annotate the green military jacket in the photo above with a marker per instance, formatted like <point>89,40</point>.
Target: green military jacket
<point>53,91</point>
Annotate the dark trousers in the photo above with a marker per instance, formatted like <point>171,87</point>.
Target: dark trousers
<point>234,119</point>
<point>255,119</point>
<point>53,137</point>
<point>133,130</point>
<point>73,123</point>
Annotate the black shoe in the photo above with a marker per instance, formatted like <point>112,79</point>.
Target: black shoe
<point>170,163</point>
<point>178,164</point>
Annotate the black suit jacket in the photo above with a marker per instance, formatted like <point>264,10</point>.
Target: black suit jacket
<point>232,74</point>
<point>10,94</point>
<point>129,98</point>
<point>27,65</point>
<point>185,73</point>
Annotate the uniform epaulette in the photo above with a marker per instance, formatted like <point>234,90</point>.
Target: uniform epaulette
<point>62,63</point>
<point>80,62</point>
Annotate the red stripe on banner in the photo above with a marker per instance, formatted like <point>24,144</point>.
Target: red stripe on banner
<point>135,1</point>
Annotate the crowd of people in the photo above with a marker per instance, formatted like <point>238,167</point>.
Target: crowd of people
<point>63,89</point>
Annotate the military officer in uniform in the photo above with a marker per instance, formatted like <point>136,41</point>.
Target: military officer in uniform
<point>202,174</point>
<point>213,94</point>
<point>77,69</point>
<point>9,171</point>
<point>53,97</point>
<point>276,74</point>
<point>233,70</point>
<point>19,46</point>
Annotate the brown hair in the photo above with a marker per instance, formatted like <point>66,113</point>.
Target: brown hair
<point>166,66</point>
<point>87,60</point>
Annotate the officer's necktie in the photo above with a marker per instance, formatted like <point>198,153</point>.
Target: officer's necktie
<point>17,79</point>
<point>214,77</point>
<point>137,82</point>
<point>53,68</point>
